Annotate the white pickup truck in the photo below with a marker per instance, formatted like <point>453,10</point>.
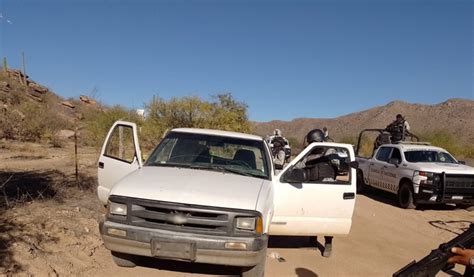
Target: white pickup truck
<point>211,196</point>
<point>417,173</point>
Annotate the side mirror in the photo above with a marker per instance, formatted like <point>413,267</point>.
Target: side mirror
<point>462,162</point>
<point>354,164</point>
<point>295,175</point>
<point>394,161</point>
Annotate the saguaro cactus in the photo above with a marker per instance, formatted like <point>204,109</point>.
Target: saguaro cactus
<point>5,65</point>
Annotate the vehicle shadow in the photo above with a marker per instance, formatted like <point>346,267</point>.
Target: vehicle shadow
<point>219,270</point>
<point>301,242</point>
<point>390,199</point>
<point>186,267</point>
<point>380,196</point>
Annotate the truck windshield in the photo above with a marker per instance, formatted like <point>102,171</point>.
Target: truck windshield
<point>211,152</point>
<point>429,156</point>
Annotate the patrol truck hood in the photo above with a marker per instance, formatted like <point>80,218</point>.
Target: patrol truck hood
<point>448,168</point>
<point>191,186</point>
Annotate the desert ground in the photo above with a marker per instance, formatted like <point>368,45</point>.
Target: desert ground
<point>49,227</point>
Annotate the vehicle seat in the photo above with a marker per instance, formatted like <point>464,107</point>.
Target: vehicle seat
<point>203,157</point>
<point>246,156</point>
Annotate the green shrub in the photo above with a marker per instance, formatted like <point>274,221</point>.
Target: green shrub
<point>31,122</point>
<point>366,144</point>
<point>296,145</point>
<point>97,124</point>
<point>223,113</point>
<point>447,141</point>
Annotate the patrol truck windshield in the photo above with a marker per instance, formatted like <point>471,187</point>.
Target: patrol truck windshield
<point>429,156</point>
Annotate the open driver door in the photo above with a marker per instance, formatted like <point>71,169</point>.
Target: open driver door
<point>119,156</point>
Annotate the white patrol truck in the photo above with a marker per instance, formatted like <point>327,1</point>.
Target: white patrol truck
<point>417,173</point>
<point>211,196</point>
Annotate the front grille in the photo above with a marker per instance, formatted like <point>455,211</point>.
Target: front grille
<point>459,185</point>
<point>179,218</point>
<point>182,217</point>
<point>460,181</point>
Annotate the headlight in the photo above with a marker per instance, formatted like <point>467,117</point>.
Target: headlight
<point>117,209</point>
<point>250,224</point>
<point>424,173</point>
<point>429,177</point>
<point>246,223</point>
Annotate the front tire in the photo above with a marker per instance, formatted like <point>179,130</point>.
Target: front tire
<point>257,270</point>
<point>405,196</point>
<point>123,260</point>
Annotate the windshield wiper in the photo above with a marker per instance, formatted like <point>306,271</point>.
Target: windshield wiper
<point>219,168</point>
<point>231,170</point>
<point>169,165</point>
<point>223,169</point>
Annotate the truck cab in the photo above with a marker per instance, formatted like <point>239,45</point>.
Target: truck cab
<point>212,196</point>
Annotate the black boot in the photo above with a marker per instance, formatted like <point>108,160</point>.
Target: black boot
<point>327,246</point>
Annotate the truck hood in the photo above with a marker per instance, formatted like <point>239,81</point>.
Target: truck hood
<point>191,186</point>
<point>444,167</point>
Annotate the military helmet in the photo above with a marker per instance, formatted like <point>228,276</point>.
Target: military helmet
<point>315,135</point>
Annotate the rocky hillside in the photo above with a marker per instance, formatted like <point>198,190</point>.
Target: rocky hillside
<point>23,101</point>
<point>454,116</point>
<point>31,111</point>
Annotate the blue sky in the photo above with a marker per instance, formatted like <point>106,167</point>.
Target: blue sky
<point>284,59</point>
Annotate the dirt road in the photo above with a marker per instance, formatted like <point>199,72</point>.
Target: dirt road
<point>382,240</point>
<point>57,235</point>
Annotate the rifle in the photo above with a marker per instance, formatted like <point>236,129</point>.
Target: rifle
<point>438,258</point>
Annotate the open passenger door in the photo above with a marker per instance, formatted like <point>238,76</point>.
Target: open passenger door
<point>315,204</point>
<point>119,156</point>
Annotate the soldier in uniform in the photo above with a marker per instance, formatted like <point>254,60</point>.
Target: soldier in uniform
<point>398,128</point>
<point>278,143</point>
<point>320,167</point>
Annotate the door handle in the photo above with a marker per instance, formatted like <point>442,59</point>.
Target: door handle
<point>371,163</point>
<point>385,166</point>
<point>348,195</point>
<point>101,165</point>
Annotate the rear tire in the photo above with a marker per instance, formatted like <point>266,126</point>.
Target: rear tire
<point>405,196</point>
<point>123,260</point>
<point>361,185</point>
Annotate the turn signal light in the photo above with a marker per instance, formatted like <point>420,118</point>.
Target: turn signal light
<point>236,245</point>
<point>259,226</point>
<point>117,232</point>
